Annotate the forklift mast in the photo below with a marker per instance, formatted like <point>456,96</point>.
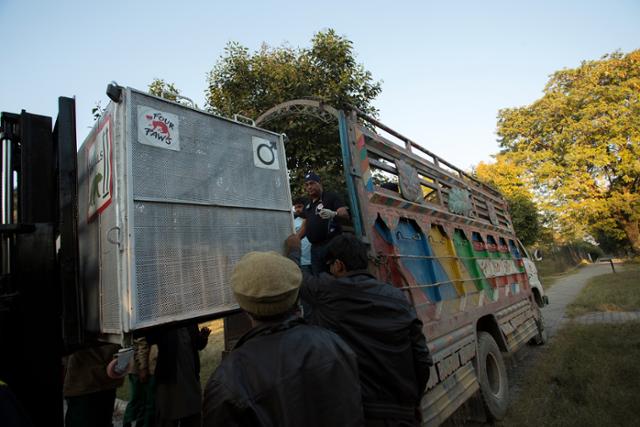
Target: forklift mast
<point>40,300</point>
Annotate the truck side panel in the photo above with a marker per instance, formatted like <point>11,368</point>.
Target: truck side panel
<point>442,238</point>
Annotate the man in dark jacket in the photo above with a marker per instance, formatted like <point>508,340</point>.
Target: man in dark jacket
<point>89,390</point>
<point>378,323</point>
<point>178,393</point>
<point>282,372</point>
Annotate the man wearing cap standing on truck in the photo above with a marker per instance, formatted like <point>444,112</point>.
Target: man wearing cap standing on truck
<point>282,372</point>
<point>320,223</point>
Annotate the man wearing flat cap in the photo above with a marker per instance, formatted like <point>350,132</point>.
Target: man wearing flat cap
<point>282,372</point>
<point>320,216</point>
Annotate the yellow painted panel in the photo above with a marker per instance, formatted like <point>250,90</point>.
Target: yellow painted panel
<point>443,248</point>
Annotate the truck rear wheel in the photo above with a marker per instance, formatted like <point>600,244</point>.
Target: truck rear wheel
<point>492,376</point>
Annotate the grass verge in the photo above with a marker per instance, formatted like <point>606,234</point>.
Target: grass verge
<point>587,377</point>
<point>554,266</point>
<point>549,280</point>
<point>610,292</point>
<point>211,355</point>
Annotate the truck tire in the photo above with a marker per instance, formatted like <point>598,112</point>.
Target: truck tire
<point>492,376</point>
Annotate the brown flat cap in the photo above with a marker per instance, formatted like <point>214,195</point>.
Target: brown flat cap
<point>266,283</point>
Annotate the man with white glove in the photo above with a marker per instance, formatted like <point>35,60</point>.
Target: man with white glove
<point>321,219</point>
<point>327,214</point>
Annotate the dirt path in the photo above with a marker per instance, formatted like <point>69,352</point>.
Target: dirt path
<point>565,290</point>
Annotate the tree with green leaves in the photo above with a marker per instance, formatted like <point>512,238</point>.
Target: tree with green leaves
<point>249,83</point>
<point>508,177</point>
<point>525,217</point>
<point>162,89</point>
<point>579,145</point>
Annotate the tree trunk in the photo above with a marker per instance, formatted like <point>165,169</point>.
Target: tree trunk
<point>632,230</point>
<point>573,254</point>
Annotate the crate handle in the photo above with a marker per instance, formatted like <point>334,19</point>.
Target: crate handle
<point>117,241</point>
<point>244,119</point>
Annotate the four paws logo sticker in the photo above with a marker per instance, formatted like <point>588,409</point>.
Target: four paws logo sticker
<point>158,128</point>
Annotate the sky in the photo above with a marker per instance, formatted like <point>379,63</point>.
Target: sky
<point>447,67</point>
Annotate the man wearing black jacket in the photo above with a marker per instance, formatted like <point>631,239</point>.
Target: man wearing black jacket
<point>177,375</point>
<point>282,372</point>
<point>378,323</point>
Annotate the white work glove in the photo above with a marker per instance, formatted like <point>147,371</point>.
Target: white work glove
<point>327,213</point>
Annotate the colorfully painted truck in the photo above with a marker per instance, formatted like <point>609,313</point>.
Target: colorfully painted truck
<point>447,240</point>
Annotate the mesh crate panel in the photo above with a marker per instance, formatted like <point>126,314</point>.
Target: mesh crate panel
<point>197,211</point>
<point>185,253</point>
<point>214,164</point>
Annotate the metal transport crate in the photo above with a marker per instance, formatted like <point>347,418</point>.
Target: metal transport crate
<point>170,198</point>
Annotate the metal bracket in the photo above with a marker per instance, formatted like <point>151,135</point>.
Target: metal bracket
<point>244,119</point>
<point>184,98</point>
<point>118,240</point>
